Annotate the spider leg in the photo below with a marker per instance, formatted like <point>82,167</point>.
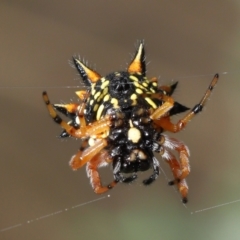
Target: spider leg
<point>183,189</point>
<point>163,109</point>
<point>96,128</point>
<point>82,157</point>
<point>76,162</point>
<point>165,121</point>
<point>118,176</point>
<point>99,160</point>
<point>128,179</point>
<point>155,174</point>
<point>73,110</point>
<point>184,154</point>
<point>176,171</point>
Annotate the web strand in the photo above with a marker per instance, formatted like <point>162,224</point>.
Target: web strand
<point>203,209</point>
<point>52,214</point>
<point>216,206</point>
<point>101,198</point>
<point>83,86</point>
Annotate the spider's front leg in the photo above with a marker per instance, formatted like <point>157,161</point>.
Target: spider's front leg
<point>84,155</point>
<point>165,121</point>
<point>85,131</point>
<point>99,160</point>
<point>95,128</point>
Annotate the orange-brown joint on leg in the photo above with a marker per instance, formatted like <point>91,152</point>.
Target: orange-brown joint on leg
<point>82,157</point>
<point>97,161</point>
<point>167,125</point>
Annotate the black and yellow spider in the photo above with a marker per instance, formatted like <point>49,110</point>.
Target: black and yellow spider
<point>122,119</point>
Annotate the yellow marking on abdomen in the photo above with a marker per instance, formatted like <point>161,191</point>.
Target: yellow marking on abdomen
<point>133,96</point>
<point>106,98</point>
<point>114,101</point>
<point>95,107</point>
<point>105,84</point>
<point>139,91</point>
<point>99,112</point>
<point>150,102</point>
<point>134,78</point>
<point>97,95</point>
<point>152,90</point>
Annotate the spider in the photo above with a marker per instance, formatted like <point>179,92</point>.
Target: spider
<point>122,119</point>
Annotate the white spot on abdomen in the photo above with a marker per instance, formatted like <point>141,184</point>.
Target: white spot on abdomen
<point>134,134</point>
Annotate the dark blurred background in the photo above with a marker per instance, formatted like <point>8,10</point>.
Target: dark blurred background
<point>187,41</point>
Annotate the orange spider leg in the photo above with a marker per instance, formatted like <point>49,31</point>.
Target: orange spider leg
<point>177,172</point>
<point>99,160</point>
<point>73,108</point>
<point>166,123</point>
<point>84,131</point>
<point>184,161</point>
<point>75,161</point>
<point>82,157</point>
<point>163,109</point>
<point>83,95</point>
<point>80,113</point>
<point>184,154</point>
<point>175,168</point>
<point>183,189</point>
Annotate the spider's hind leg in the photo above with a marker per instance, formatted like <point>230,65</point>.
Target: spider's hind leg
<point>176,171</point>
<point>182,171</point>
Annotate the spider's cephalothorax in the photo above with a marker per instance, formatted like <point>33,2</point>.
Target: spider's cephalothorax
<point>121,120</point>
